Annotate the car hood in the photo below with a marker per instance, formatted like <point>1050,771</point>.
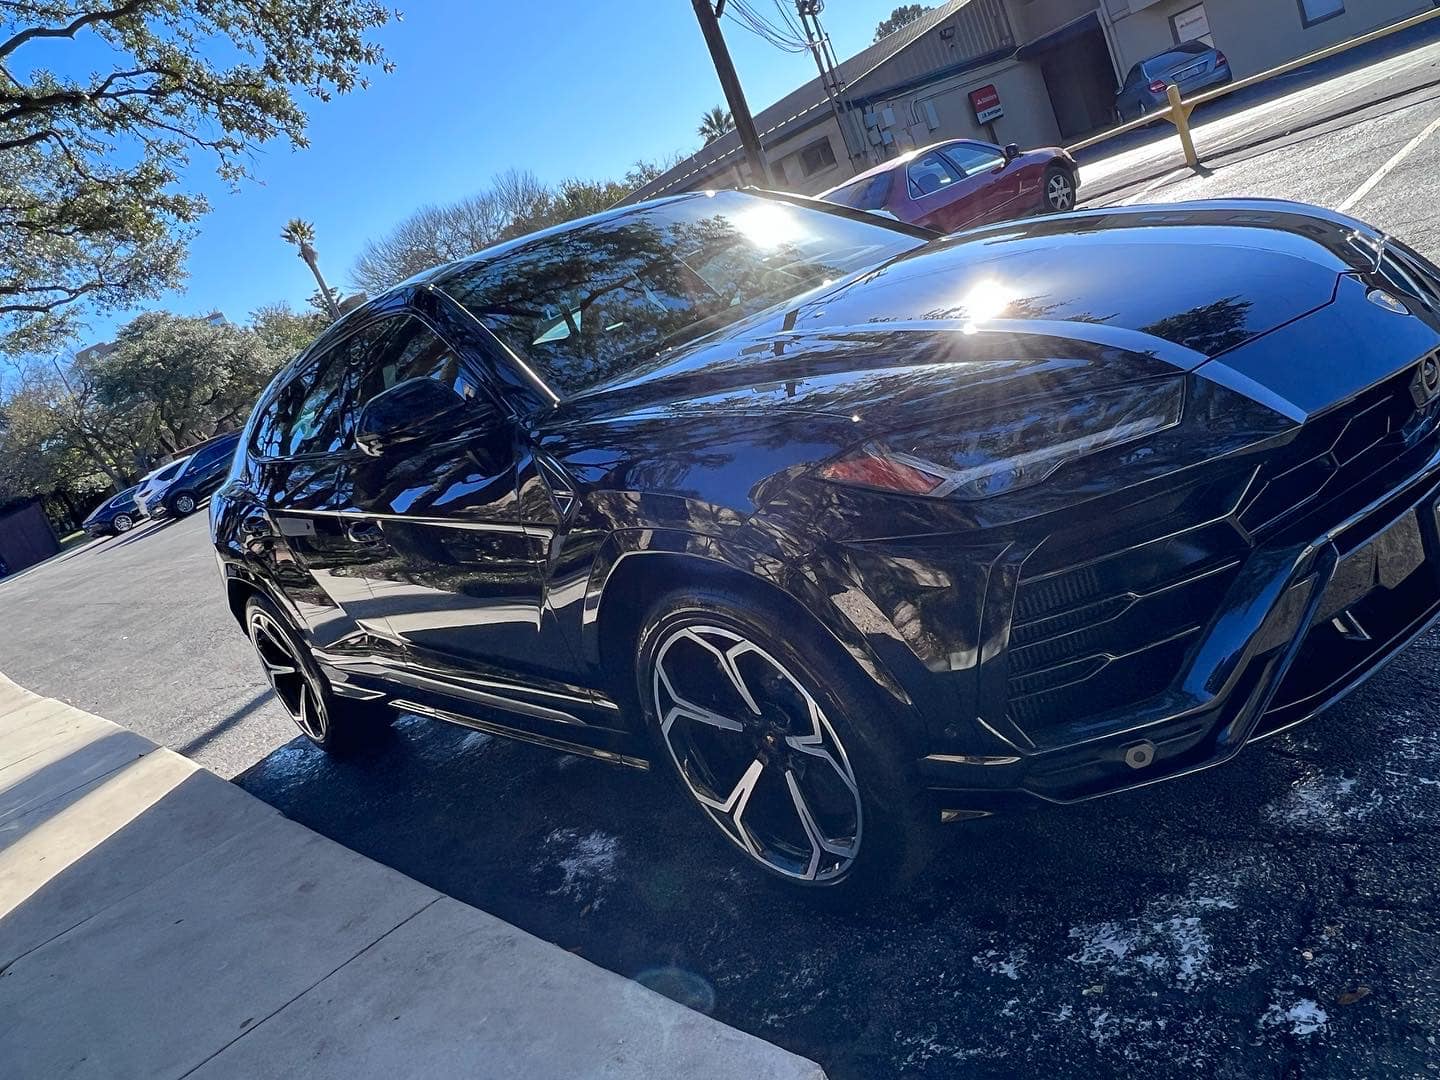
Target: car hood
<point>1037,307</point>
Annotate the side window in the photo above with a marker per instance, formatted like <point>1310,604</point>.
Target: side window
<point>930,173</point>
<point>212,454</point>
<point>315,412</point>
<point>414,351</point>
<point>972,158</point>
<point>1136,76</point>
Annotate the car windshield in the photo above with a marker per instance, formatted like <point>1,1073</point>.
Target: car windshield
<point>585,305</point>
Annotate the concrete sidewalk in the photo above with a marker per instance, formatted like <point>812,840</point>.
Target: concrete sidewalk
<point>156,921</point>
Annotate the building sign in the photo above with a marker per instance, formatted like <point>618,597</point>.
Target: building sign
<point>1192,24</point>
<point>986,103</point>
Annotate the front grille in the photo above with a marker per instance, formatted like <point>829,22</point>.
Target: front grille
<point>1113,632</point>
<point>1337,452</point>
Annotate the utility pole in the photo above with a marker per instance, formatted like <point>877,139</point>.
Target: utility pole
<point>831,79</point>
<point>734,96</point>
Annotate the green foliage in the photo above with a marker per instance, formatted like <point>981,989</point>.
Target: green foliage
<point>167,383</point>
<point>515,203</point>
<point>89,212</point>
<point>901,16</point>
<point>285,330</point>
<point>714,123</point>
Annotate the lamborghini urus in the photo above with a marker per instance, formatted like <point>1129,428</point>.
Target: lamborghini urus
<point>854,529</point>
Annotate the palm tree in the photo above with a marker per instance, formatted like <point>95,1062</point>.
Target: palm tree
<point>302,235</point>
<point>714,123</point>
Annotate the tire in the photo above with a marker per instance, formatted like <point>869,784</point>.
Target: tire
<point>123,523</point>
<point>817,790</point>
<point>182,504</point>
<point>1059,190</point>
<point>338,726</point>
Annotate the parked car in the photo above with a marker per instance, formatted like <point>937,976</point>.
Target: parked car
<point>153,483</point>
<point>961,184</point>
<point>115,515</point>
<point>854,530</point>
<point>178,493</point>
<point>1192,66</point>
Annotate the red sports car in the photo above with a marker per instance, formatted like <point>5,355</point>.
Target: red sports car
<point>961,184</point>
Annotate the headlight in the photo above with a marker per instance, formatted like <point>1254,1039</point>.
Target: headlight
<point>999,454</point>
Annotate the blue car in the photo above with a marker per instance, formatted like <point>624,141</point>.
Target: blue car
<point>117,515</point>
<point>1192,66</point>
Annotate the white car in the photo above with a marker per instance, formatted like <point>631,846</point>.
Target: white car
<point>153,486</point>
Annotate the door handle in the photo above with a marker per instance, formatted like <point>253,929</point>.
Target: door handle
<point>364,532</point>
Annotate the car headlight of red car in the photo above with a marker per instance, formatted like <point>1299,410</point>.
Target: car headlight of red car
<point>1004,452</point>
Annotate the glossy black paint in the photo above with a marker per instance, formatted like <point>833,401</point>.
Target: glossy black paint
<point>1141,613</point>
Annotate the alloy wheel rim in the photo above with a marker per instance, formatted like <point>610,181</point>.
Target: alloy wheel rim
<point>123,523</point>
<point>287,676</point>
<point>757,753</point>
<point>185,504</point>
<point>1061,194</point>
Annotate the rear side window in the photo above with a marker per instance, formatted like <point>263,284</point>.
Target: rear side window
<point>868,194</point>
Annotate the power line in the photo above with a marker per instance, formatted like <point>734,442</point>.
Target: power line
<point>786,38</point>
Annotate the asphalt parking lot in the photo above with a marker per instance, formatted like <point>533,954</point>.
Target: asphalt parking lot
<point>1279,916</point>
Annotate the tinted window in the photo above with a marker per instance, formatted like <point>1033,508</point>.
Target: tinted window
<point>415,352</point>
<point>211,454</point>
<point>1137,74</point>
<point>172,470</point>
<point>930,173</point>
<point>864,194</point>
<point>314,413</point>
<point>588,303</point>
<point>975,157</point>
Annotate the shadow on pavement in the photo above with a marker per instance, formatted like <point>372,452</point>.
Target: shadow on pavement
<point>1216,922</point>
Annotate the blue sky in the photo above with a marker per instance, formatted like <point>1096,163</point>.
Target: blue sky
<point>562,87</point>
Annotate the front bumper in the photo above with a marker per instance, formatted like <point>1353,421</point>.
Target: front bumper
<point>1302,625</point>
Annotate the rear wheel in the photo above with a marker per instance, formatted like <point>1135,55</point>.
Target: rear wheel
<point>333,724</point>
<point>123,523</point>
<point>1059,190</point>
<point>783,748</point>
<point>182,504</point>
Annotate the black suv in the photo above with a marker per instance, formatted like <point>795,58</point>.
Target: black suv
<point>202,474</point>
<point>852,530</point>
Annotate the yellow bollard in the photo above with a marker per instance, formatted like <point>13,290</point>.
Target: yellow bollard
<point>1180,117</point>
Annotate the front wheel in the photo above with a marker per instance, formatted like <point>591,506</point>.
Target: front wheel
<point>335,725</point>
<point>123,523</point>
<point>1059,190</point>
<point>183,504</point>
<point>786,751</point>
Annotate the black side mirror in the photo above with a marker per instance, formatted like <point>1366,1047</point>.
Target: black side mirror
<point>407,411</point>
<point>1012,151</point>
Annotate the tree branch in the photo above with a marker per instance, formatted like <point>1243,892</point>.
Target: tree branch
<point>70,31</point>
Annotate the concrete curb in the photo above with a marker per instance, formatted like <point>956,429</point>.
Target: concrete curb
<point>156,921</point>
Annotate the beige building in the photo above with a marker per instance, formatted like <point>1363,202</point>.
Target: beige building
<point>1053,65</point>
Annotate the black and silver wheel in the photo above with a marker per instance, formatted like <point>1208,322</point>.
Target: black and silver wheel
<point>183,504</point>
<point>1059,190</point>
<point>778,744</point>
<point>334,725</point>
<point>123,523</point>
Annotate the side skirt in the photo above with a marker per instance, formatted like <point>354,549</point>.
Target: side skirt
<point>505,731</point>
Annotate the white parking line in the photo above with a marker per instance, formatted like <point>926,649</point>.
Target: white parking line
<point>1389,167</point>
